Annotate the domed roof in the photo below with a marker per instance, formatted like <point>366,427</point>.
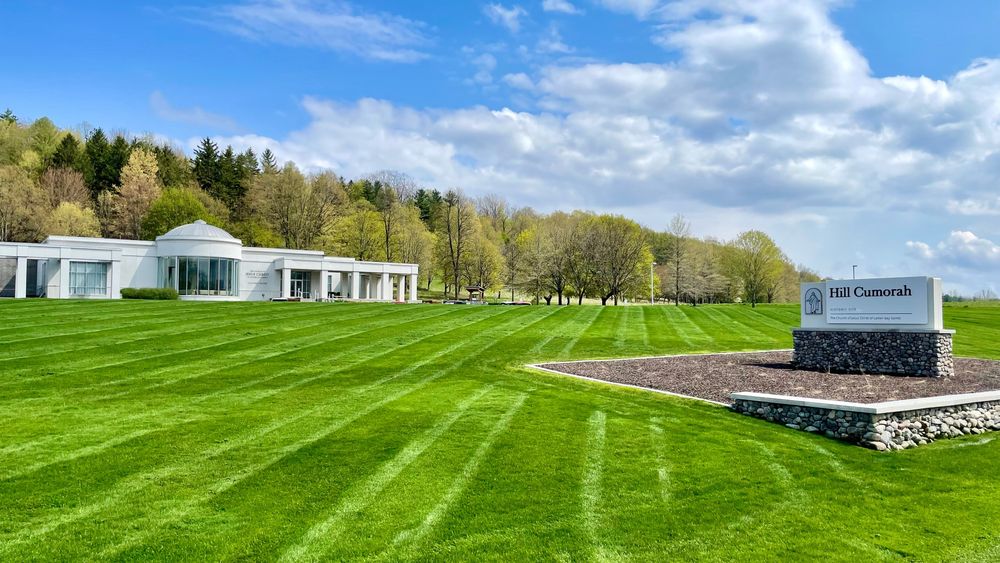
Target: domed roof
<point>198,230</point>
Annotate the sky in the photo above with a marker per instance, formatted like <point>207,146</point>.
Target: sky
<point>855,133</point>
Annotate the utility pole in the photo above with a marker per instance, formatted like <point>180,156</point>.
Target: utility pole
<point>651,282</point>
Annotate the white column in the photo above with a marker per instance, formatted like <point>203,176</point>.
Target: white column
<point>372,288</point>
<point>402,289</point>
<point>386,288</point>
<point>21,278</point>
<point>355,285</point>
<point>342,285</point>
<point>115,271</point>
<point>64,278</point>
<point>413,287</point>
<point>324,284</point>
<point>337,284</point>
<point>286,282</point>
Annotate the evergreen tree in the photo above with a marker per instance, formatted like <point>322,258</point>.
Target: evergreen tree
<point>68,154</point>
<point>173,168</point>
<point>8,117</point>
<point>268,163</point>
<point>98,171</point>
<point>118,156</point>
<point>206,166</point>
<point>229,177</point>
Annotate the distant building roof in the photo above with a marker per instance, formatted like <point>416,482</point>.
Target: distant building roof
<point>198,230</point>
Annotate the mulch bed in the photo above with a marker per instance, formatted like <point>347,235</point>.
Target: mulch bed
<point>715,376</point>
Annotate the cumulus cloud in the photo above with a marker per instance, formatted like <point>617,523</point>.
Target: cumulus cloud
<point>767,113</point>
<point>334,25</point>
<point>562,6</point>
<point>506,17</point>
<point>194,115</point>
<point>552,43</point>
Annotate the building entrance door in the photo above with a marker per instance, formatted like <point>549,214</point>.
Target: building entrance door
<point>301,285</point>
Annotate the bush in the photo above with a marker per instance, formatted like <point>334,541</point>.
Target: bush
<point>164,293</point>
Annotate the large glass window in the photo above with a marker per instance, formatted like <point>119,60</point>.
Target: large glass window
<point>88,278</point>
<point>301,284</point>
<point>201,276</point>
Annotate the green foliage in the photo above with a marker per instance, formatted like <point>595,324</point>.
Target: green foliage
<point>174,207</point>
<point>68,154</point>
<point>151,293</point>
<point>70,219</point>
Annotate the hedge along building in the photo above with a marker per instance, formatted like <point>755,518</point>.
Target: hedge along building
<point>201,262</point>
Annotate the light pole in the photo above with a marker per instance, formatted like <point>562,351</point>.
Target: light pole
<point>651,282</point>
<point>854,272</point>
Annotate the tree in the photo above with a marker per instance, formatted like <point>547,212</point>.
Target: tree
<point>580,266</point>
<point>458,219</point>
<point>677,254</point>
<point>174,207</point>
<point>620,255</point>
<point>207,167</point>
<point>64,185</point>
<point>173,168</point>
<point>8,117</point>
<point>68,154</point>
<point>556,232</point>
<point>358,232</point>
<point>755,261</point>
<point>139,189</point>
<point>298,209</point>
<point>73,220</point>
<point>21,206</point>
<point>268,164</point>
<point>99,171</point>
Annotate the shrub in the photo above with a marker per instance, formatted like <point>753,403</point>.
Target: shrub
<point>164,293</point>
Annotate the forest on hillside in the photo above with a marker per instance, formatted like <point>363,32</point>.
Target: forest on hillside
<point>91,183</point>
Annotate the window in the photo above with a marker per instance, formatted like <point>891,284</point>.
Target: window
<point>88,278</point>
<point>201,276</point>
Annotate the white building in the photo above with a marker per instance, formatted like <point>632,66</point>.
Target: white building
<point>199,261</point>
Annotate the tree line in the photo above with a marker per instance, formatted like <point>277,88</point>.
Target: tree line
<point>91,183</point>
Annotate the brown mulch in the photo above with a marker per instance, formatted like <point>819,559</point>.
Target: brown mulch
<point>715,376</point>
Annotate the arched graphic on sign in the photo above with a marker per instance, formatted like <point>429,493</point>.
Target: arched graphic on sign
<point>814,302</point>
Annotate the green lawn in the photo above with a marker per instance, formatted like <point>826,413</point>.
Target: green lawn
<point>177,430</point>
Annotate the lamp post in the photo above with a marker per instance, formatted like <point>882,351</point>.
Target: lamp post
<point>854,272</point>
<point>651,282</point>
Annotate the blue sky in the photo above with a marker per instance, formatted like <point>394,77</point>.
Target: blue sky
<point>854,132</point>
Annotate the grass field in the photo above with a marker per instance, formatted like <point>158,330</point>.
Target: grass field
<point>177,430</point>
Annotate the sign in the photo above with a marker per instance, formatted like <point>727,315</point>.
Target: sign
<point>883,301</point>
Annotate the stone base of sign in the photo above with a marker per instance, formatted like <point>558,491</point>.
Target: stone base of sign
<point>926,353</point>
<point>894,425</point>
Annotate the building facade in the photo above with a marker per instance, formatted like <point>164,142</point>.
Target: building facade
<point>201,262</point>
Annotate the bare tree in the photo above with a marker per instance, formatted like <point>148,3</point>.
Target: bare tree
<point>677,253</point>
<point>458,223</point>
<point>64,185</point>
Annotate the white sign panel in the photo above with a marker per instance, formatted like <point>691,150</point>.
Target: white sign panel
<point>883,301</point>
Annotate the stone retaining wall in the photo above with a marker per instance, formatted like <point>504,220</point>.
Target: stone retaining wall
<point>920,353</point>
<point>881,431</point>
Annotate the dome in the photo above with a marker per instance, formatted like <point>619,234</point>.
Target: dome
<point>198,230</point>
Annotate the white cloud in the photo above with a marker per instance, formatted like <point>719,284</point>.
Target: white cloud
<point>485,64</point>
<point>562,6</point>
<point>335,25</point>
<point>768,118</point>
<point>507,17</point>
<point>963,258</point>
<point>192,115</point>
<point>552,43</point>
<point>519,80</point>
<point>639,8</point>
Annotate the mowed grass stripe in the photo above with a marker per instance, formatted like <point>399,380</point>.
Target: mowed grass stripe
<point>164,416</point>
<point>241,345</point>
<point>408,544</point>
<point>136,483</point>
<point>180,336</point>
<point>590,486</point>
<point>319,538</point>
<point>341,419</point>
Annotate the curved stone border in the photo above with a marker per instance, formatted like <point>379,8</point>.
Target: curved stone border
<point>883,426</point>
